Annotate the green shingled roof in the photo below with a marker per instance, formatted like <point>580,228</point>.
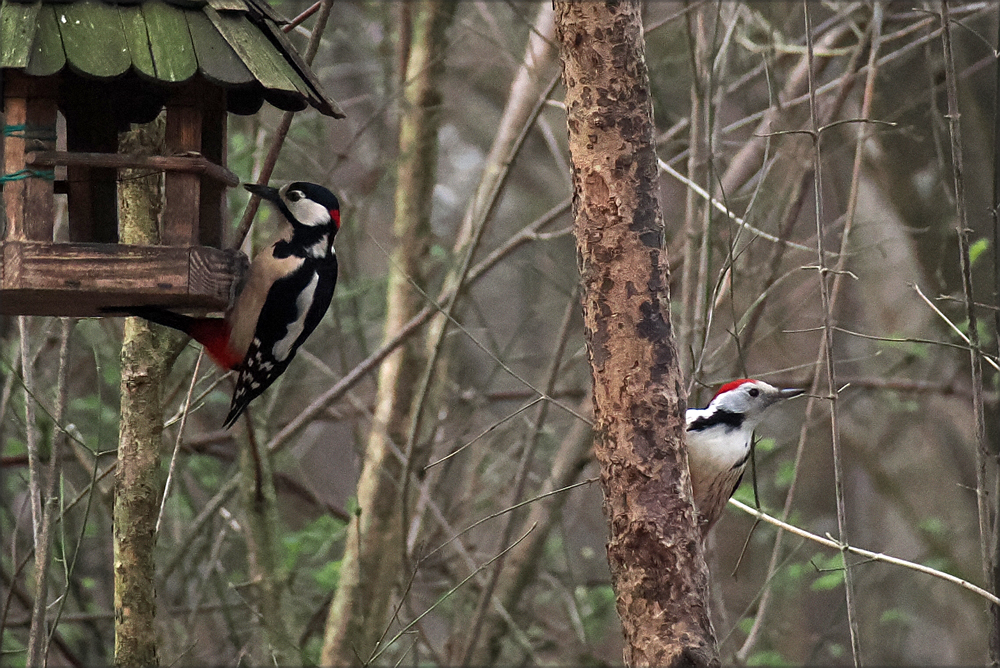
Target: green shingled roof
<point>235,44</point>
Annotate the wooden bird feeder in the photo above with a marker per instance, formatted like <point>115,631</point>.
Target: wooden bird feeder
<point>75,75</point>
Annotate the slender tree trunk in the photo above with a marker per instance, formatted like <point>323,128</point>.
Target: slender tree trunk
<point>524,561</point>
<point>373,556</point>
<point>694,277</point>
<point>531,86</point>
<point>655,552</point>
<point>145,362</point>
<point>272,644</point>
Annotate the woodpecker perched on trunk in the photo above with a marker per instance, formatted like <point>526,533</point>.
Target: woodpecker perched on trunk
<point>719,440</point>
<point>287,292</point>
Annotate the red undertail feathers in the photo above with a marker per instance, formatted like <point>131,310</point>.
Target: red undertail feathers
<point>213,334</point>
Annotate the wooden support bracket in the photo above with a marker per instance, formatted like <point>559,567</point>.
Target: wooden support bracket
<point>78,279</point>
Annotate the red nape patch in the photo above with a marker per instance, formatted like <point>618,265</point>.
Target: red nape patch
<point>213,334</point>
<point>732,385</point>
<point>335,216</point>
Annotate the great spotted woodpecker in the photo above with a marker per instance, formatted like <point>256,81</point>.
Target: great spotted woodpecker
<point>288,290</point>
<point>719,441</point>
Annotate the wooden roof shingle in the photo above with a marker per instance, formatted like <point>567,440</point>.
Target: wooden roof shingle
<point>234,44</point>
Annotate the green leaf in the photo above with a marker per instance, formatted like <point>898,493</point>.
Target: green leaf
<point>828,581</point>
<point>765,445</point>
<point>977,248</point>
<point>786,471</point>
<point>327,577</point>
<point>312,541</point>
<point>932,525</point>
<point>767,658</point>
<point>744,494</point>
<point>894,616</point>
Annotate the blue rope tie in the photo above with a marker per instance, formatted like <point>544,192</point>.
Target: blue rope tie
<point>47,174</point>
<point>24,131</point>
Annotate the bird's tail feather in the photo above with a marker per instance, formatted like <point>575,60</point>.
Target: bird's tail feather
<point>157,314</point>
<point>212,333</point>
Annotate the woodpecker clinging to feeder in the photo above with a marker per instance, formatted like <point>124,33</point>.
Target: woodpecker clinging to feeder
<point>719,440</point>
<point>288,290</point>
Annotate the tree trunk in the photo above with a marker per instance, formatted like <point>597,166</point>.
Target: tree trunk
<point>372,558</point>
<point>271,643</point>
<point>655,552</point>
<point>146,360</point>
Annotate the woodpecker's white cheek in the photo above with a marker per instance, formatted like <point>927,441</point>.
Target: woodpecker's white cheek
<point>283,346</point>
<point>309,212</point>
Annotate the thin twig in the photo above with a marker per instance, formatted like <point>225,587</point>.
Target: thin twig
<point>908,339</point>
<point>701,192</point>
<point>486,431</point>
<point>521,479</point>
<point>199,523</point>
<point>876,39</point>
<point>438,515</point>
<point>31,435</point>
<point>974,349</point>
<point>479,344</point>
<point>525,235</point>
<point>297,21</point>
<point>994,638</point>
<point>444,597</point>
<point>696,216</point>
<point>281,131</point>
<point>177,441</point>
<point>36,637</point>
<point>527,98</point>
<point>982,451</point>
<point>867,554</point>
<point>827,87</point>
<point>831,378</point>
<point>748,156</point>
<point>58,442</point>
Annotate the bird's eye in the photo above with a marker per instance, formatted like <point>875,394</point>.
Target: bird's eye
<point>754,392</point>
<point>294,195</point>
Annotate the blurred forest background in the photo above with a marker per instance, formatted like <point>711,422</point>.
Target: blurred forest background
<point>507,395</point>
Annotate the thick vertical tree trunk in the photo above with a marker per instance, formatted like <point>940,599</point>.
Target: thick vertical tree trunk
<point>373,556</point>
<point>655,552</point>
<point>145,362</point>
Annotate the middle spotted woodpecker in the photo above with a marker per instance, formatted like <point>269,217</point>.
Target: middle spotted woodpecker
<point>719,442</point>
<point>287,292</point>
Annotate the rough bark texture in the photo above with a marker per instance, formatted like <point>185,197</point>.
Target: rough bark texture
<point>272,644</point>
<point>655,553</point>
<point>145,363</point>
<point>373,555</point>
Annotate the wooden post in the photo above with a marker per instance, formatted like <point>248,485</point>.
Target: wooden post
<point>29,125</point>
<point>213,148</point>
<point>183,191</point>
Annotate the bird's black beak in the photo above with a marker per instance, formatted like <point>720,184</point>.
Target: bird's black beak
<point>789,393</point>
<point>264,192</point>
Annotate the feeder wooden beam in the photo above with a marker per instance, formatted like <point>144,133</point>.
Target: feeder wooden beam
<point>81,280</point>
<point>29,115</point>
<point>191,164</point>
